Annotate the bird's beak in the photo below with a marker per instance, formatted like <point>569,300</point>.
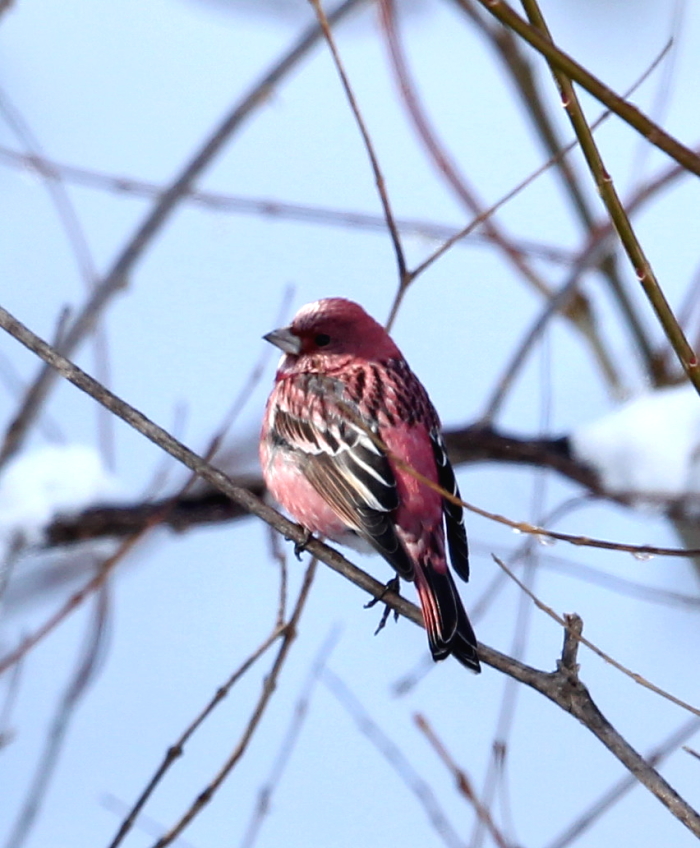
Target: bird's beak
<point>285,340</point>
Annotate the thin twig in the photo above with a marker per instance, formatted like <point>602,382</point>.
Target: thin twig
<point>555,304</point>
<point>564,688</point>
<point>279,209</point>
<point>561,620</point>
<point>464,784</point>
<point>633,116</point>
<point>580,315</point>
<point>611,582</point>
<point>75,600</point>
<point>663,95</point>
<point>603,179</point>
<point>527,84</point>
<point>176,750</point>
<point>268,688</point>
<point>255,375</point>
<point>587,258</point>
<point>77,240</point>
<point>291,738</point>
<point>48,760</point>
<point>578,311</point>
<point>529,553</point>
<point>608,799</point>
<point>8,704</point>
<point>325,24</point>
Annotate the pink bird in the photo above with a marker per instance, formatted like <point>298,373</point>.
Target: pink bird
<point>341,378</point>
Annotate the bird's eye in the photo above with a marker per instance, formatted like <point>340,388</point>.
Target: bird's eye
<point>322,339</point>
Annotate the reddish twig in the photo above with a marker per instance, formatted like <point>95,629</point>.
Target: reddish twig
<point>463,782</point>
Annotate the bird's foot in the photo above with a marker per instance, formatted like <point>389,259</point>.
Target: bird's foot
<point>300,547</point>
<point>391,586</point>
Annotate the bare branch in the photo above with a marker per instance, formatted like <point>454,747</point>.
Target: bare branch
<point>291,737</point>
<point>616,210</point>
<point>653,133</point>
<point>528,86</point>
<point>463,783</point>
<point>577,308</point>
<point>56,737</point>
<point>283,210</point>
<point>573,625</point>
<point>566,690</point>
<point>655,757</point>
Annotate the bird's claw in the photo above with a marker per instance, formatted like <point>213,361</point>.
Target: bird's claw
<point>300,547</point>
<point>391,586</point>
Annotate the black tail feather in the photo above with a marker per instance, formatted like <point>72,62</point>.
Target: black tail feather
<point>446,621</point>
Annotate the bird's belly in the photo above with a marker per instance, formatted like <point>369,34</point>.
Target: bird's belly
<point>290,488</point>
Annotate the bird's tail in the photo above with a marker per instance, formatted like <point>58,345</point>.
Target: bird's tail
<point>446,621</point>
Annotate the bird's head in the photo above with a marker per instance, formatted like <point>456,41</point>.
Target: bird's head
<point>332,329</point>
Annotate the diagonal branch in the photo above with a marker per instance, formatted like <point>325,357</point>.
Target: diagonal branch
<point>577,309</point>
<point>617,212</point>
<point>616,792</point>
<point>527,85</point>
<point>564,688</point>
<point>176,750</point>
<point>633,116</point>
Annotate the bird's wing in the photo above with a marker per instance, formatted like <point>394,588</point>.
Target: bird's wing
<point>350,472</point>
<point>453,512</point>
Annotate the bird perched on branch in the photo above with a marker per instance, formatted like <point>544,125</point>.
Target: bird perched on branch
<point>347,435</point>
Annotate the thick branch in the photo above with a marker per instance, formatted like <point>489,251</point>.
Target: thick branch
<point>465,445</point>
